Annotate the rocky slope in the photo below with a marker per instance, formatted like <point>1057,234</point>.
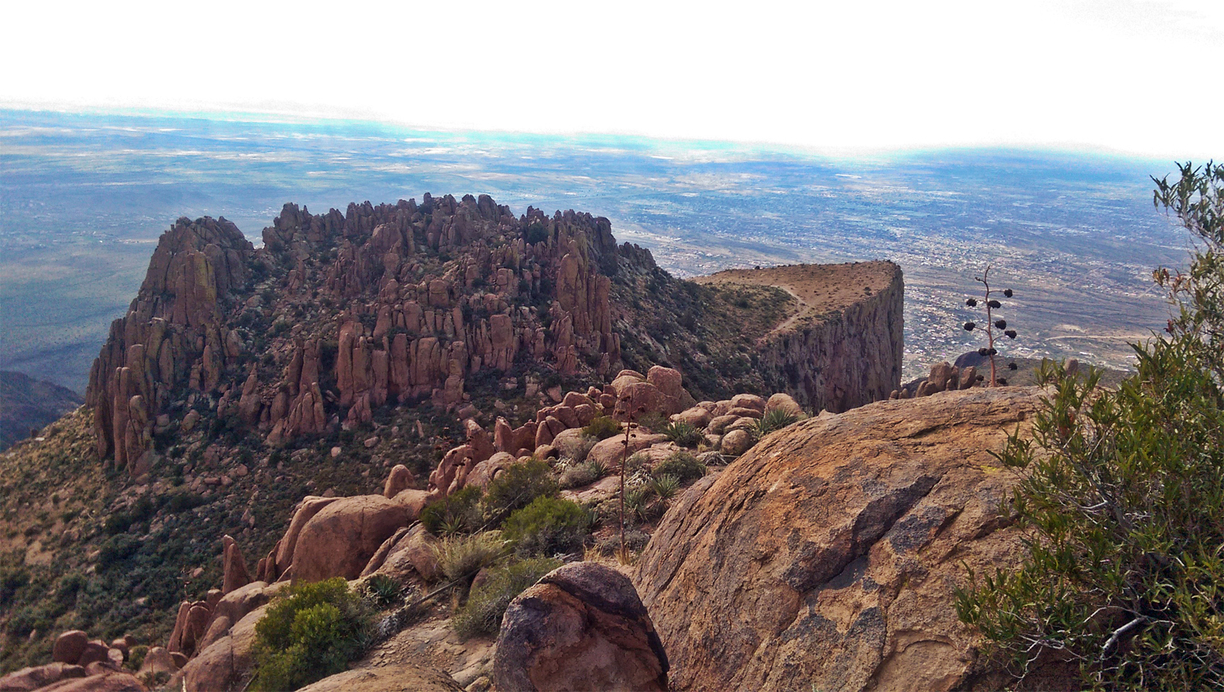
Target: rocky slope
<point>829,553</point>
<point>27,404</point>
<point>245,379</point>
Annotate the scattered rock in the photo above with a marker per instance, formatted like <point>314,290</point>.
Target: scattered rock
<point>399,677</point>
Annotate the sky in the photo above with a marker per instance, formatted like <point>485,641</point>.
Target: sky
<point>1127,76</point>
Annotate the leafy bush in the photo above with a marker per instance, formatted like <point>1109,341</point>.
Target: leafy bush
<point>310,631</point>
<point>774,419</point>
<point>577,449</point>
<point>464,556</point>
<point>456,513</point>
<point>653,421</point>
<point>601,428</point>
<point>548,526</point>
<point>683,434</point>
<point>583,474</point>
<point>682,465</point>
<point>516,487</point>
<point>1123,497</point>
<point>482,614</point>
<point>381,590</point>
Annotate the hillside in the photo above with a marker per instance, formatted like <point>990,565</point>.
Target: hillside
<point>27,404</point>
<point>243,379</point>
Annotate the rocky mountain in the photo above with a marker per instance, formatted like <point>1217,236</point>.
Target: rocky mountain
<point>27,405</point>
<point>404,347</point>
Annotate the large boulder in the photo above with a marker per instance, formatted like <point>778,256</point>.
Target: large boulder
<point>397,677</point>
<point>69,646</point>
<point>39,676</point>
<point>225,665</point>
<point>340,540</point>
<point>581,627</point>
<point>610,452</point>
<point>827,556</point>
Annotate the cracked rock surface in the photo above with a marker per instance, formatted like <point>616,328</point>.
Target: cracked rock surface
<point>827,556</point>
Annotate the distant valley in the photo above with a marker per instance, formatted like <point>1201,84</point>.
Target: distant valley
<point>83,199</point>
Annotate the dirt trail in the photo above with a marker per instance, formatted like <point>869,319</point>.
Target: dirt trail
<point>818,288</point>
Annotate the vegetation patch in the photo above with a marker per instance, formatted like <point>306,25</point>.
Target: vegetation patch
<point>483,611</point>
<point>548,526</point>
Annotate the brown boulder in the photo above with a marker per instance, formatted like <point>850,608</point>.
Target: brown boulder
<point>736,442</point>
<point>757,579</point>
<point>784,402</point>
<point>39,676</point>
<point>95,651</point>
<point>641,398</point>
<point>69,646</point>
<point>102,681</point>
<point>307,508</point>
<point>158,660</point>
<point>581,627</point>
<point>343,536</point>
<point>610,452</point>
<point>751,401</point>
<point>235,572</point>
<point>225,665</point>
<point>397,677</point>
<point>487,470</point>
<point>411,555</point>
<point>398,480</point>
<point>696,416</point>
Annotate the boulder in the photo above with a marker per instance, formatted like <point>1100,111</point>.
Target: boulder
<point>581,627</point>
<point>101,681</point>
<point>398,480</point>
<point>40,676</point>
<point>668,380</point>
<point>828,555</point>
<point>718,424</point>
<point>397,677</point>
<point>95,651</point>
<point>307,508</point>
<point>736,442</point>
<point>69,646</point>
<point>344,535</point>
<point>158,660</point>
<point>751,401</point>
<point>610,452</point>
<point>697,417</point>
<point>641,398</point>
<point>784,402</point>
<point>412,555</point>
<point>487,470</point>
<point>235,572</point>
<point>225,665</point>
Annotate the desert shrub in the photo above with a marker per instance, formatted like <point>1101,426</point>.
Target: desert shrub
<point>601,428</point>
<point>310,631</point>
<point>583,474</point>
<point>463,556</point>
<point>683,434</point>
<point>665,486</point>
<point>116,549</point>
<point>774,419</point>
<point>381,590</point>
<point>653,421</point>
<point>482,614</point>
<point>548,526</point>
<point>1122,497</point>
<point>136,656</point>
<point>456,513</point>
<point>681,465</point>
<point>577,449</point>
<point>516,487</point>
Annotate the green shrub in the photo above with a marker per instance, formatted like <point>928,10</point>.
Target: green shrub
<point>456,513</point>
<point>310,631</point>
<point>641,504</point>
<point>583,474</point>
<point>516,487</point>
<point>548,526</point>
<point>682,465</point>
<point>601,428</point>
<point>381,590</point>
<point>653,421</point>
<point>1122,498</point>
<point>463,556</point>
<point>683,434</point>
<point>136,656</point>
<point>665,486</point>
<point>482,614</point>
<point>774,419</point>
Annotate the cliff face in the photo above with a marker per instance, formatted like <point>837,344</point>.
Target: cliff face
<point>851,358</point>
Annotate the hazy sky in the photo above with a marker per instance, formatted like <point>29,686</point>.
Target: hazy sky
<point>1139,76</point>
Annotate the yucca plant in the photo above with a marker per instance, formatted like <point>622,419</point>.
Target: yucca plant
<point>774,419</point>
<point>683,433</point>
<point>993,322</point>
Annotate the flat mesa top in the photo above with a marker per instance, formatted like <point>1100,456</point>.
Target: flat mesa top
<point>819,288</point>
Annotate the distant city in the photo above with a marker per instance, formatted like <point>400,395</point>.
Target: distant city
<point>83,199</point>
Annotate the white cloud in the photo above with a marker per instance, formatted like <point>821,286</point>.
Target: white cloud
<point>1122,74</point>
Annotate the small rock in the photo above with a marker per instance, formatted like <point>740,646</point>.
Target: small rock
<point>371,442</point>
<point>736,442</point>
